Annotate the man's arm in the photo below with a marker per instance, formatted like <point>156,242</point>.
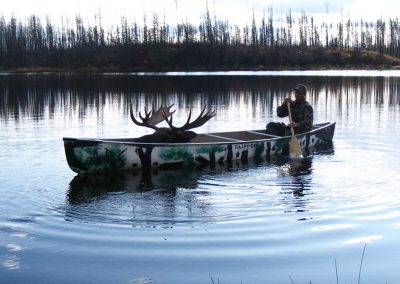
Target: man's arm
<point>282,110</point>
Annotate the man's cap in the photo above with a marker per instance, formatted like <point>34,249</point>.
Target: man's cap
<point>301,88</point>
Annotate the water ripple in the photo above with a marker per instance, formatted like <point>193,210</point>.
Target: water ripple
<point>268,219</point>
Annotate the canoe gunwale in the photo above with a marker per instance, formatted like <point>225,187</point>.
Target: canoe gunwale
<point>125,141</point>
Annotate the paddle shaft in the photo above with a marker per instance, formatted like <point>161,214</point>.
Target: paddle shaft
<point>294,143</point>
<point>290,118</point>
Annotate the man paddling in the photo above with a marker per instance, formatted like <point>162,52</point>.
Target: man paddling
<point>302,114</point>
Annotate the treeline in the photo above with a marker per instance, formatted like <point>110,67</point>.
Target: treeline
<point>272,41</point>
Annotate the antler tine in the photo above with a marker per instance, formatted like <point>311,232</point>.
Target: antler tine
<point>189,116</point>
<point>146,115</point>
<point>209,114</point>
<point>158,115</point>
<point>145,119</point>
<point>168,120</point>
<point>199,121</point>
<point>133,117</point>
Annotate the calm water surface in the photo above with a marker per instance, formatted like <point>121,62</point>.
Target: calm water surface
<point>277,222</point>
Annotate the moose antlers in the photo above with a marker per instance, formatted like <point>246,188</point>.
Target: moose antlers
<point>151,118</point>
<point>199,121</point>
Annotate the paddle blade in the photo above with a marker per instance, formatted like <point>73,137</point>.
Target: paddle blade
<point>295,149</point>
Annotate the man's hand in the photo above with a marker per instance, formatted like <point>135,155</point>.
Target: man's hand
<point>292,124</point>
<point>287,100</point>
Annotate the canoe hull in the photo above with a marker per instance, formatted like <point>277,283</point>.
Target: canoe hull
<point>105,155</point>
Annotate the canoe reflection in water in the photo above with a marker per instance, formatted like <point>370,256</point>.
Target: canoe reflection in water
<point>165,198</point>
<point>86,187</point>
<point>302,166</point>
<point>299,172</point>
<point>83,188</point>
<point>142,198</point>
<point>296,167</point>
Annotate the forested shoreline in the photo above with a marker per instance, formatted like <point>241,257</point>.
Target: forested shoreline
<point>272,42</point>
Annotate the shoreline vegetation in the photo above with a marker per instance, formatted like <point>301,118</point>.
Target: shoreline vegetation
<point>370,61</point>
<point>274,42</point>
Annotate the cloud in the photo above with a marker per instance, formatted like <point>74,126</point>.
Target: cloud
<point>235,11</point>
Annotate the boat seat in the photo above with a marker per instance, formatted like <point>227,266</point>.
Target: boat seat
<point>208,137</point>
<point>224,138</point>
<point>264,134</point>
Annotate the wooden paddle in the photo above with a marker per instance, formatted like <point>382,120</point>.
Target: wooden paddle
<point>295,149</point>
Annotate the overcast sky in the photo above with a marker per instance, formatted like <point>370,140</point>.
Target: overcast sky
<point>235,11</point>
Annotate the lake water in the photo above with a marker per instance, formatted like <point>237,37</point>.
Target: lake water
<point>276,222</point>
